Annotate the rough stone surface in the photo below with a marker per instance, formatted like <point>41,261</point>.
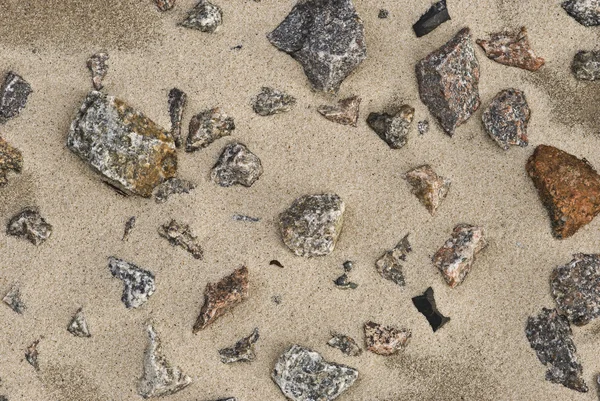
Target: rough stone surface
<point>13,299</point>
<point>383,14</point>
<point>449,81</point>
<point>160,377</point>
<point>206,127</point>
<point>426,305</point>
<point>586,65</point>
<point>430,188</point>
<point>345,344</point>
<point>303,375</point>
<point>506,118</point>
<point>177,101</point>
<point>393,129</point>
<point>434,17</point>
<point>78,325</point>
<point>129,226</point>
<point>512,49</point>
<point>13,96</point>
<point>272,101</point>
<point>423,127</point>
<point>586,12</point>
<point>98,66</point>
<point>129,150</point>
<point>237,165</point>
<point>222,297</point>
<point>326,37</point>
<point>549,334</point>
<point>389,265</point>
<point>29,224</point>
<point>345,112</point>
<point>312,225</point>
<point>456,257</point>
<point>181,235</point>
<point>138,283</point>
<point>385,340</point>
<point>172,186</point>
<point>32,354</point>
<point>242,351</point>
<point>164,5</point>
<point>344,282</point>
<point>11,159</point>
<point>568,187</point>
<point>205,17</point>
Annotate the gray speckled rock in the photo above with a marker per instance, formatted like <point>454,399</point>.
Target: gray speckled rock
<point>242,351</point>
<point>172,186</point>
<point>13,299</point>
<point>138,283</point>
<point>312,224</point>
<point>345,344</point>
<point>303,375</point>
<point>29,224</point>
<point>164,5</point>
<point>326,37</point>
<point>272,101</point>
<point>13,96</point>
<point>205,17</point>
<point>206,127</point>
<point>389,265</point>
<point>505,119</point>
<point>78,325</point>
<point>236,165</point>
<point>98,67</point>
<point>392,128</point>
<point>586,12</point>
<point>586,65</point>
<point>181,235</point>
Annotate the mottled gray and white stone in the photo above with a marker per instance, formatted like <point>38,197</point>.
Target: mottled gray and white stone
<point>164,5</point>
<point>586,65</point>
<point>78,325</point>
<point>13,299</point>
<point>205,17</point>
<point>206,127</point>
<point>242,351</point>
<point>11,159</point>
<point>236,165</point>
<point>392,128</point>
<point>98,66</point>
<point>181,235</point>
<point>389,265</point>
<point>272,101</point>
<point>138,283</point>
<point>29,224</point>
<point>172,186</point>
<point>177,101</point>
<point>505,119</point>
<point>586,12</point>
<point>345,112</point>
<point>13,96</point>
<point>430,188</point>
<point>345,344</point>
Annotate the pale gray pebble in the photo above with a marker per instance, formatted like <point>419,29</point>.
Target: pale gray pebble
<point>586,65</point>
<point>237,165</point>
<point>206,127</point>
<point>13,96</point>
<point>205,17</point>
<point>272,101</point>
<point>181,235</point>
<point>78,325</point>
<point>98,66</point>
<point>138,283</point>
<point>172,186</point>
<point>392,128</point>
<point>29,224</point>
<point>13,299</point>
<point>242,351</point>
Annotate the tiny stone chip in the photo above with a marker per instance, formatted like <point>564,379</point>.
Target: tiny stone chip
<point>236,165</point>
<point>430,188</point>
<point>505,119</point>
<point>423,127</point>
<point>345,344</point>
<point>78,325</point>
<point>383,13</point>
<point>512,49</point>
<point>344,283</point>
<point>177,101</point>
<point>345,113</point>
<point>205,17</point>
<point>98,66</point>
<point>426,305</point>
<point>586,65</point>
<point>181,235</point>
<point>13,96</point>
<point>29,224</point>
<point>393,129</point>
<point>385,340</point>
<point>164,5</point>
<point>206,127</point>
<point>242,351</point>
<point>586,12</point>
<point>129,226</point>
<point>13,299</point>
<point>272,101</point>
<point>138,283</point>
<point>32,354</point>
<point>172,186</point>
<point>389,265</point>
<point>11,159</point>
<point>434,17</point>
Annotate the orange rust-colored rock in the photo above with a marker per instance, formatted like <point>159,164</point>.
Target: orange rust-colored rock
<point>512,49</point>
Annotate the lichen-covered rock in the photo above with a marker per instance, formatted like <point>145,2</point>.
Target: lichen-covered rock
<point>160,377</point>
<point>456,257</point>
<point>326,37</point>
<point>430,188</point>
<point>29,224</point>
<point>449,81</point>
<point>385,340</point>
<point>13,299</point>
<point>206,127</point>
<point>345,112</point>
<point>345,344</point>
<point>393,129</point>
<point>222,297</point>
<point>98,66</point>
<point>172,186</point>
<point>13,96</point>
<point>303,375</point>
<point>434,17</point>
<point>237,165</point>
<point>586,65</point>
<point>205,17</point>
<point>389,265</point>
<point>426,305</point>
<point>181,235</point>
<point>506,118</point>
<point>242,351</point>
<point>549,334</point>
<point>586,12</point>
<point>312,225</point>
<point>177,101</point>
<point>138,283</point>
<point>568,187</point>
<point>164,5</point>
<point>32,354</point>
<point>130,151</point>
<point>11,159</point>
<point>78,325</point>
<point>512,49</point>
<point>272,101</point>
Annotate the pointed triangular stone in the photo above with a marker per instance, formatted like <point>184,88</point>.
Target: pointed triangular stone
<point>345,112</point>
<point>78,326</point>
<point>430,188</point>
<point>13,299</point>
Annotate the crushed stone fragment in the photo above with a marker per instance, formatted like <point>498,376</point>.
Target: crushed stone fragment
<point>343,283</point>
<point>586,65</point>
<point>206,127</point>
<point>586,12</point>
<point>172,186</point>
<point>29,224</point>
<point>98,66</point>
<point>506,118</point>
<point>177,101</point>
<point>13,96</point>
<point>389,265</point>
<point>345,112</point>
<point>385,340</point>
<point>512,49</point>
<point>423,127</point>
<point>11,159</point>
<point>164,5</point>
<point>222,297</point>
<point>383,13</point>
<point>426,305</point>
<point>181,235</point>
<point>434,17</point>
<point>345,344</point>
<point>32,354</point>
<point>129,226</point>
<point>241,217</point>
<point>430,188</point>
<point>13,299</point>
<point>303,375</point>
<point>393,129</point>
<point>205,17</point>
<point>138,283</point>
<point>242,351</point>
<point>78,325</point>
<point>272,101</point>
<point>236,165</point>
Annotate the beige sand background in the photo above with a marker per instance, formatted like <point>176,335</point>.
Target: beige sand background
<point>482,354</point>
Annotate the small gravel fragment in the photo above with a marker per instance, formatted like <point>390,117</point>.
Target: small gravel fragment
<point>426,305</point>
<point>393,129</point>
<point>164,5</point>
<point>389,265</point>
<point>11,159</point>
<point>237,165</point>
<point>78,325</point>
<point>430,188</point>
<point>242,351</point>
<point>181,235</point>
<point>385,340</point>
<point>434,17</point>
<point>241,217</point>
<point>345,112</point>
<point>13,299</point>
<point>177,101</point>
<point>205,17</point>
<point>129,226</point>
<point>98,66</point>
<point>586,65</point>
<point>13,96</point>
<point>586,12</point>
<point>345,344</point>
<point>272,101</point>
<point>172,186</point>
<point>423,127</point>
<point>512,49</point>
<point>343,282</point>
<point>31,355</point>
<point>383,14</point>
<point>138,283</point>
<point>506,118</point>
<point>29,224</point>
<point>348,265</point>
<point>206,127</point>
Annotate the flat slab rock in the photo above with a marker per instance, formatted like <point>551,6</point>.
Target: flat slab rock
<point>456,257</point>
<point>449,81</point>
<point>128,149</point>
<point>506,118</point>
<point>345,112</point>
<point>385,340</point>
<point>181,235</point>
<point>206,127</point>
<point>392,128</point>
<point>242,351</point>
<point>389,265</point>
<point>303,375</point>
<point>172,186</point>
<point>430,188</point>
<point>11,159</point>
<point>272,101</point>
<point>30,225</point>
<point>13,96</point>
<point>205,17</point>
<point>236,165</point>
<point>312,225</point>
<point>586,12</point>
<point>549,334</point>
<point>568,187</point>
<point>326,37</point>
<point>512,49</point>
<point>138,283</point>
<point>586,65</point>
<point>78,325</point>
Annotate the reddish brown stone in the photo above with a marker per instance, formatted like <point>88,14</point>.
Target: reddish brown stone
<point>513,49</point>
<point>568,187</point>
<point>385,340</point>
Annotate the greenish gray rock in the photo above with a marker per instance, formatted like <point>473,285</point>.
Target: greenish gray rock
<point>392,128</point>
<point>237,165</point>
<point>78,325</point>
<point>13,96</point>
<point>205,17</point>
<point>272,101</point>
<point>138,283</point>
<point>206,127</point>
<point>242,351</point>
<point>586,65</point>
<point>30,225</point>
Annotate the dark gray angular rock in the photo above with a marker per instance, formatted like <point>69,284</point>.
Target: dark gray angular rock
<point>237,165</point>
<point>344,282</point>
<point>393,129</point>
<point>11,159</point>
<point>98,67</point>
<point>272,101</point>
<point>389,265</point>
<point>205,17</point>
<point>549,334</point>
<point>586,12</point>
<point>345,112</point>
<point>383,13</point>
<point>138,283</point>
<point>505,119</point>
<point>242,351</point>
<point>177,101</point>
<point>13,299</point>
<point>172,186</point>
<point>29,224</point>
<point>303,375</point>
<point>78,325</point>
<point>586,65</point>
<point>181,235</point>
<point>326,37</point>
<point>206,127</point>
<point>434,17</point>
<point>449,81</point>
<point>13,96</point>
<point>345,344</point>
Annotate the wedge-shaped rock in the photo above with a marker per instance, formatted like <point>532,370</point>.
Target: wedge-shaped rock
<point>98,67</point>
<point>392,128</point>
<point>181,235</point>
<point>130,151</point>
<point>549,334</point>
<point>426,305</point>
<point>586,12</point>
<point>138,283</point>
<point>205,17</point>
<point>430,188</point>
<point>13,299</point>
<point>389,265</point>
<point>177,101</point>
<point>32,354</point>
<point>237,165</point>
<point>586,65</point>
<point>13,96</point>
<point>242,351</point>
<point>303,375</point>
<point>11,159</point>
<point>434,17</point>
<point>272,101</point>
<point>222,297</point>
<point>326,37</point>
<point>206,127</point>
<point>312,225</point>
<point>345,113</point>
<point>455,259</point>
<point>512,49</point>
<point>172,186</point>
<point>385,340</point>
<point>78,325</point>
<point>506,118</point>
<point>345,344</point>
<point>160,377</point>
<point>30,225</point>
<point>449,81</point>
<point>568,187</point>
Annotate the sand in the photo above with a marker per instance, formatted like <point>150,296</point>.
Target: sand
<point>481,354</point>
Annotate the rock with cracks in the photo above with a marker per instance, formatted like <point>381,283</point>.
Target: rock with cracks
<point>13,96</point>
<point>345,112</point>
<point>138,283</point>
<point>512,49</point>
<point>242,351</point>
<point>272,101</point>
<point>206,127</point>
<point>236,165</point>
<point>505,119</point>
<point>430,188</point>
<point>30,225</point>
<point>392,128</point>
<point>389,265</point>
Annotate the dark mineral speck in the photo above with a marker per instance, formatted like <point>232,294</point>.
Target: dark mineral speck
<point>276,263</point>
<point>426,305</point>
<point>434,17</point>
<point>348,265</point>
<point>383,13</point>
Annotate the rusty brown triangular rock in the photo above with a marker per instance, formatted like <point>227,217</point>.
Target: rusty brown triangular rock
<point>512,49</point>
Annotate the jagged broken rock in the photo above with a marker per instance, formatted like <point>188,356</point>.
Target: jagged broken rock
<point>392,128</point>
<point>78,325</point>
<point>98,66</point>
<point>389,265</point>
<point>434,17</point>
<point>181,235</point>
<point>242,351</point>
<point>129,226</point>
<point>385,340</point>
<point>426,305</point>
<point>586,65</point>
<point>586,12</point>
<point>13,299</point>
<point>11,159</point>
<point>512,49</point>
<point>326,37</point>
<point>128,149</point>
<point>29,224</point>
<point>345,344</point>
<point>138,283</point>
<point>164,5</point>
<point>177,101</point>
<point>430,188</point>
<point>345,112</point>
<point>205,17</point>
<point>222,297</point>
<point>568,187</point>
<point>549,334</point>
<point>32,354</point>
<point>505,119</point>
<point>206,127</point>
<point>160,377</point>
<point>13,96</point>
<point>272,101</point>
<point>303,375</point>
<point>312,225</point>
<point>456,257</point>
<point>236,165</point>
<point>449,81</point>
<point>172,186</point>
